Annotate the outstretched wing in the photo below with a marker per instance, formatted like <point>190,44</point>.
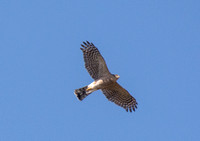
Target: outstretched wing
<point>94,62</point>
<point>120,96</point>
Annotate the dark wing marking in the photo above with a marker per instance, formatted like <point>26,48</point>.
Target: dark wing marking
<point>94,62</point>
<point>120,96</point>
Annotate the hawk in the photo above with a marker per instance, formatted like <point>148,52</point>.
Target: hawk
<point>103,80</point>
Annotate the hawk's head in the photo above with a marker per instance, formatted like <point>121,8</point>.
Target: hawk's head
<point>116,76</point>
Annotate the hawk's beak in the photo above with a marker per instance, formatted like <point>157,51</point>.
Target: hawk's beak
<point>117,76</point>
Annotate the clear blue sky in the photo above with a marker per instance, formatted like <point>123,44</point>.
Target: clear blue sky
<point>153,45</point>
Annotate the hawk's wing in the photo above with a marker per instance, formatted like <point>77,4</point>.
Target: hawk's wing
<point>120,96</point>
<point>94,62</point>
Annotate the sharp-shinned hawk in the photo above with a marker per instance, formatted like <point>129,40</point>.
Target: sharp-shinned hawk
<point>103,80</point>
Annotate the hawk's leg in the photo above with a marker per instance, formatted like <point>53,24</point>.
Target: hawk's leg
<point>85,91</point>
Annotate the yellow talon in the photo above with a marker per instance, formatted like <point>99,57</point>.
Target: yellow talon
<point>88,89</point>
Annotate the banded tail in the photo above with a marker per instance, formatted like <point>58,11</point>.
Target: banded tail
<point>82,93</point>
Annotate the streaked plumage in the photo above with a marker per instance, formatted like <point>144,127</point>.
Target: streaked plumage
<point>104,80</point>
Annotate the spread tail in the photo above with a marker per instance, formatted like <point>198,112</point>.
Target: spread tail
<point>81,93</point>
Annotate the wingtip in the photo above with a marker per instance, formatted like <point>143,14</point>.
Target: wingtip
<point>83,46</point>
<point>88,42</point>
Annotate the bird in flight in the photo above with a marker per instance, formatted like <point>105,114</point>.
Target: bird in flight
<point>103,80</point>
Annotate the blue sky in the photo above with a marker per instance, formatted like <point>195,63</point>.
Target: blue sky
<point>153,45</point>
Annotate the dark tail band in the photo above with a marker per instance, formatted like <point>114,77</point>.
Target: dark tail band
<point>81,93</point>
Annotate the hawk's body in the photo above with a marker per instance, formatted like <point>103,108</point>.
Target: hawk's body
<point>104,80</point>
